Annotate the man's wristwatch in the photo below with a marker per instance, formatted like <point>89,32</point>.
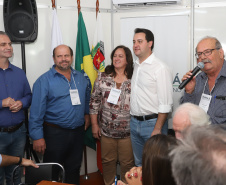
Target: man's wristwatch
<point>20,161</point>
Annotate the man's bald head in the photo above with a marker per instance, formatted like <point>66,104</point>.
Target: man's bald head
<point>188,114</point>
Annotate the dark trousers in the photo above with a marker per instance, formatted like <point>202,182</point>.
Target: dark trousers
<point>65,146</point>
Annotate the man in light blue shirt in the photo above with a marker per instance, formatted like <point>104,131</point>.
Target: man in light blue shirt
<point>59,108</point>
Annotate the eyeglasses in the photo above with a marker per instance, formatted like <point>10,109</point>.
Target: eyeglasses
<point>206,53</point>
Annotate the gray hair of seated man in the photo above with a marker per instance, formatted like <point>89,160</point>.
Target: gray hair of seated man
<point>197,115</point>
<point>200,157</point>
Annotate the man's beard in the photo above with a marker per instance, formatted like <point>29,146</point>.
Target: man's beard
<point>64,68</point>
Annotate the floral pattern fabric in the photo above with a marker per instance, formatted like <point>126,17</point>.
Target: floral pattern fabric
<point>113,119</point>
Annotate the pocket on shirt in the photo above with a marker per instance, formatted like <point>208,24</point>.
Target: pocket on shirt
<point>220,108</point>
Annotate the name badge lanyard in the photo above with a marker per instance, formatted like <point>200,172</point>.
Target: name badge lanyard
<point>205,99</point>
<point>75,100</point>
<point>114,94</point>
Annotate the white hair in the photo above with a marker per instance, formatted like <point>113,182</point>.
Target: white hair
<point>196,115</point>
<point>217,44</point>
<point>200,158</point>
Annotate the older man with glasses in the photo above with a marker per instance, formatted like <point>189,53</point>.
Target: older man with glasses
<point>208,89</point>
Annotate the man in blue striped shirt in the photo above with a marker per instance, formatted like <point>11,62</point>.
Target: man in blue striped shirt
<point>208,89</point>
<point>59,108</point>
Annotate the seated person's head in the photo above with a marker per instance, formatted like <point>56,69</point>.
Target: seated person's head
<point>188,114</point>
<point>200,158</point>
<point>156,165</point>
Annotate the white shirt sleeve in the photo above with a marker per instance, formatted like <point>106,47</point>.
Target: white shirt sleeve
<point>165,90</point>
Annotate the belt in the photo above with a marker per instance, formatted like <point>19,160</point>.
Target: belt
<point>57,126</point>
<point>147,117</point>
<point>51,125</point>
<point>12,128</point>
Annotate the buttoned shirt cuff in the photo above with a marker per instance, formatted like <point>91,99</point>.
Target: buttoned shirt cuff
<point>165,108</point>
<point>87,110</point>
<point>87,105</point>
<point>38,134</point>
<point>26,101</point>
<point>22,101</point>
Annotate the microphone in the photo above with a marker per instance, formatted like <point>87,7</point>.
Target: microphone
<point>194,72</point>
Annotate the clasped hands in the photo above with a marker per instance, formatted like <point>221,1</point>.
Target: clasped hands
<point>13,105</point>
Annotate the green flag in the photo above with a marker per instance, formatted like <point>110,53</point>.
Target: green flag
<point>84,63</point>
<point>83,59</point>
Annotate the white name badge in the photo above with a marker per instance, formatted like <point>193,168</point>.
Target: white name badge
<point>205,102</point>
<point>75,100</point>
<point>114,96</point>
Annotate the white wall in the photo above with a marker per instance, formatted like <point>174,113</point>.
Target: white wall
<point>209,19</point>
<point>38,53</point>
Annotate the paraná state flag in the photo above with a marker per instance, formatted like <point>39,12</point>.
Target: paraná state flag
<point>97,52</point>
<point>84,64</point>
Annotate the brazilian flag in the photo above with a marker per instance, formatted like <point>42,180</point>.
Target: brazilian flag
<point>83,59</point>
<point>84,63</point>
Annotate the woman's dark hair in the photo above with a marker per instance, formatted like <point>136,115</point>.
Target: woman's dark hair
<point>156,164</point>
<point>110,69</point>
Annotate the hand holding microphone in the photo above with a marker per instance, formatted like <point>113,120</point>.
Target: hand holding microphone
<point>189,76</point>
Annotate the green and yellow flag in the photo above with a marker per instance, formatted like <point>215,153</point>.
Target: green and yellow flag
<point>83,59</point>
<point>84,64</point>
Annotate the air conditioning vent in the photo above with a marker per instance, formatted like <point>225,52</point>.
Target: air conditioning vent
<point>142,3</point>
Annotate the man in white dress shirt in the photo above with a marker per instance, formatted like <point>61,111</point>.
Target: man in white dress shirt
<point>151,93</point>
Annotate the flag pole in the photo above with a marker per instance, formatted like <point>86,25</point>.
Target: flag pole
<point>98,142</point>
<point>97,7</point>
<point>86,177</point>
<point>53,4</point>
<point>79,7</point>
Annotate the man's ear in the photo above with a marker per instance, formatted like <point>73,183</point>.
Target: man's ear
<point>150,43</point>
<point>221,52</point>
